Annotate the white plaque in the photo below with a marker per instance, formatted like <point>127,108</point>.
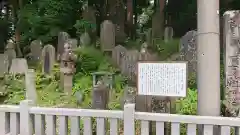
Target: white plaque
<point>162,79</point>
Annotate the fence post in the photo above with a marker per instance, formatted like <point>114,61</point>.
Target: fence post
<point>26,123</point>
<point>4,123</point>
<point>129,120</point>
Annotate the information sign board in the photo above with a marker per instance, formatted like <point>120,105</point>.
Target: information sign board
<point>162,79</point>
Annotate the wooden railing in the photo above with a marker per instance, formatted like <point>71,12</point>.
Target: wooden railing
<point>26,119</point>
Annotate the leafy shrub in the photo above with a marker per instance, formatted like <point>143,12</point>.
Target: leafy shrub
<point>89,60</point>
<point>165,50</point>
<point>188,105</point>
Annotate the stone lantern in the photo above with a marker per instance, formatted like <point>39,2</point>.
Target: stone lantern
<point>106,77</point>
<point>67,67</point>
<point>10,52</point>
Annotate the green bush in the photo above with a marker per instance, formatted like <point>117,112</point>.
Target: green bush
<point>165,50</point>
<point>89,60</point>
<point>188,105</point>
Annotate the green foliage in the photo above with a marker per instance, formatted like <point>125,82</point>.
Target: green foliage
<point>92,60</point>
<point>15,87</point>
<point>165,50</point>
<point>44,19</point>
<point>188,105</point>
<point>83,26</point>
<point>89,60</point>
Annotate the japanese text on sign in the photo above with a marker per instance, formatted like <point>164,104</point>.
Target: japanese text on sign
<point>162,79</point>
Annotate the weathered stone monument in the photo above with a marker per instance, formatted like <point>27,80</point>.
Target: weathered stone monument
<point>19,66</point>
<point>4,64</point>
<point>107,36</point>
<point>232,61</point>
<point>62,39</point>
<point>157,28</point>
<point>143,103</point>
<point>168,34</point>
<point>48,58</point>
<point>188,50</point>
<point>67,68</point>
<point>36,49</point>
<point>85,39</point>
<point>100,96</point>
<point>31,93</point>
<point>149,38</point>
<point>117,16</point>
<point>89,14</point>
<point>129,66</point>
<point>117,54</point>
<point>10,52</point>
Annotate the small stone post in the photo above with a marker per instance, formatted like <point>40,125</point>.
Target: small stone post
<point>31,93</point>
<point>100,96</point>
<point>67,67</point>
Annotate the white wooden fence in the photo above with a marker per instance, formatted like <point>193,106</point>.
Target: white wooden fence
<point>18,119</point>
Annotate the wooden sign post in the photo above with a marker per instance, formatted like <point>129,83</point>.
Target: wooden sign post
<point>166,80</point>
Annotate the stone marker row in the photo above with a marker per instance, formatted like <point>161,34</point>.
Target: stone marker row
<point>127,60</point>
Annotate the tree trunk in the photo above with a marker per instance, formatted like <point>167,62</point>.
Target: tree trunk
<point>17,32</point>
<point>130,18</point>
<point>158,19</point>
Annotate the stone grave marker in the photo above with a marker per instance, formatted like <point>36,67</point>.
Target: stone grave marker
<point>10,52</point>
<point>89,14</point>
<point>156,25</point>
<point>117,54</point>
<point>188,50</point>
<point>149,39</point>
<point>100,96</point>
<point>117,16</point>
<point>19,66</point>
<point>36,49</point>
<point>62,39</point>
<point>107,36</point>
<point>232,61</point>
<point>129,66</point>
<point>143,103</point>
<point>4,64</point>
<point>48,58</point>
<point>85,39</point>
<point>119,26</point>
<point>168,34</point>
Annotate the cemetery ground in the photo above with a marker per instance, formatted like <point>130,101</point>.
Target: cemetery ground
<point>90,59</point>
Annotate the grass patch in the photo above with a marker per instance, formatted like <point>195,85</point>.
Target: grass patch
<point>49,94</point>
